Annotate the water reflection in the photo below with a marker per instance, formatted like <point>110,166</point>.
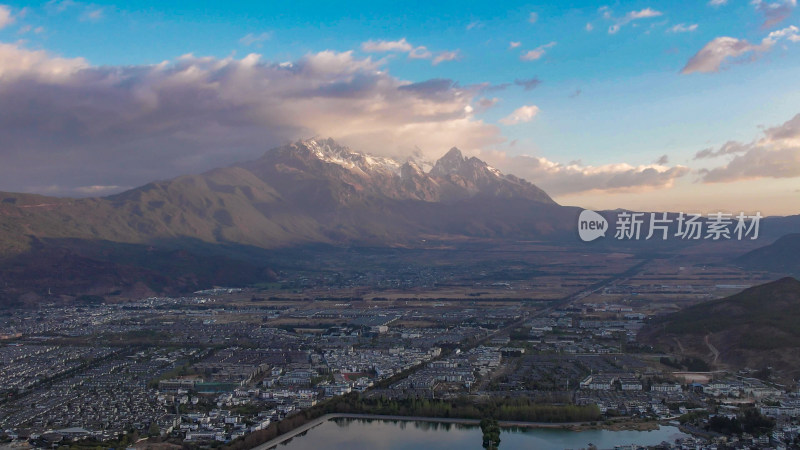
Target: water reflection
<point>358,434</point>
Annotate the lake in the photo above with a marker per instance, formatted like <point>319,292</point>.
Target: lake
<point>358,434</point>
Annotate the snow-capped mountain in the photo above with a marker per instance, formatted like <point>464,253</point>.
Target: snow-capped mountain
<point>350,174</point>
<point>214,228</point>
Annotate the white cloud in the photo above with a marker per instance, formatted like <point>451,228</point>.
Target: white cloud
<point>683,28</point>
<point>420,52</point>
<point>533,17</point>
<point>6,18</point>
<point>255,39</point>
<point>514,44</point>
<point>589,26</point>
<point>387,46</point>
<point>646,13</point>
<point>538,52</point>
<point>575,177</point>
<point>642,14</point>
<point>717,3</point>
<point>446,56</point>
<point>716,52</point>
<point>790,33</point>
<point>775,155</point>
<point>105,125</point>
<point>521,115</point>
<point>403,46</point>
<point>722,49</point>
<point>17,63</point>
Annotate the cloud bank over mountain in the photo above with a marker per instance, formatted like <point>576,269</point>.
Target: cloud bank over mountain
<point>72,128</point>
<point>574,177</point>
<point>80,126</point>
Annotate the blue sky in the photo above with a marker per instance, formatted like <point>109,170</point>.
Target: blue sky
<point>611,89</point>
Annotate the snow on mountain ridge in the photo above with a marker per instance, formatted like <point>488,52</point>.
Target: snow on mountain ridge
<point>353,174</point>
<point>329,151</point>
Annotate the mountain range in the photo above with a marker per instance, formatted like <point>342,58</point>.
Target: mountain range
<point>229,225</point>
<point>308,191</point>
<point>221,223</point>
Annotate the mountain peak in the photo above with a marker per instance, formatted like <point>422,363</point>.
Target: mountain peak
<point>451,162</point>
<point>453,153</point>
<point>322,148</point>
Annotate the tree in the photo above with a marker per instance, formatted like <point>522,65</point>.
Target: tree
<point>724,425</point>
<point>754,423</point>
<point>491,434</point>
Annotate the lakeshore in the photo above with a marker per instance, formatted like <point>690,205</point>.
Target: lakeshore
<point>567,427</point>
